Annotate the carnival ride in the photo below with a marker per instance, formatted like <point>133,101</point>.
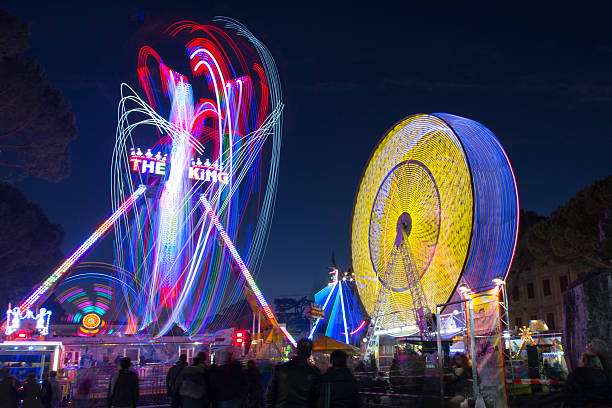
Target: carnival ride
<point>94,302</point>
<point>344,321</point>
<point>437,206</point>
<point>193,182</point>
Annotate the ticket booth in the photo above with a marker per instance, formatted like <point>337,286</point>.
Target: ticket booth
<point>24,357</point>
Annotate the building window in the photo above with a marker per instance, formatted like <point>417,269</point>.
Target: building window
<point>563,282</point>
<point>519,322</point>
<point>550,320</point>
<point>546,287</point>
<point>530,291</point>
<point>515,294</point>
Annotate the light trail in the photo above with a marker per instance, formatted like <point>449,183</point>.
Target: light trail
<point>245,271</point>
<point>38,294</point>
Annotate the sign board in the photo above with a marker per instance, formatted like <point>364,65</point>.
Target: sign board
<point>157,165</point>
<point>315,312</point>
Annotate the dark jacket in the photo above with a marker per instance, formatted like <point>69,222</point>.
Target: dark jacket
<point>193,383</point>
<point>339,389</point>
<point>585,385</point>
<point>8,393</point>
<point>293,385</point>
<point>31,394</point>
<point>123,389</point>
<point>173,375</point>
<point>228,382</point>
<point>255,388</point>
<point>56,395</point>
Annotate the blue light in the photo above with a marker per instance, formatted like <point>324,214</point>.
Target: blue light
<point>496,205</point>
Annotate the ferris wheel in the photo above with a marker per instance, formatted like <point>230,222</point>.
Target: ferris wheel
<point>437,205</point>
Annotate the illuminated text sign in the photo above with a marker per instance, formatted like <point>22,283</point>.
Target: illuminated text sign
<point>148,163</point>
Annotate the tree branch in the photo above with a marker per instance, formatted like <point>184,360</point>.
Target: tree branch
<point>596,261</point>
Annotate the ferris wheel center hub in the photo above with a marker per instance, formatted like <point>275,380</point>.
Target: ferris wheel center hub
<point>403,228</point>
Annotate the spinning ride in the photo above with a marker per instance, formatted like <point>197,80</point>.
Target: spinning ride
<point>93,301</point>
<point>437,205</point>
<point>193,181</point>
<point>212,133</point>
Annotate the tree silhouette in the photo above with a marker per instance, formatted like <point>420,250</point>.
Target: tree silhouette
<point>579,232</point>
<point>36,125</point>
<point>29,243</point>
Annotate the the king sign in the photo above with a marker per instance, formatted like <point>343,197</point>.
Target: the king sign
<point>156,165</point>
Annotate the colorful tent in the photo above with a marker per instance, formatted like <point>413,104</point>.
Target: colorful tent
<point>344,322</point>
<point>327,345</point>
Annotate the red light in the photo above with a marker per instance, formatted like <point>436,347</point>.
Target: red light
<point>239,341</point>
<point>21,335</point>
<point>239,334</point>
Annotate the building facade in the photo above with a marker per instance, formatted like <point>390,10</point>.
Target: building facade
<point>536,293</point>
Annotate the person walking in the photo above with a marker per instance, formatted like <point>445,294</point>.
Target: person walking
<point>339,388</point>
<point>192,385</point>
<point>171,381</point>
<point>8,390</point>
<point>228,381</point>
<point>31,392</point>
<point>123,386</point>
<point>56,391</point>
<point>295,383</point>
<point>84,383</point>
<point>254,378</point>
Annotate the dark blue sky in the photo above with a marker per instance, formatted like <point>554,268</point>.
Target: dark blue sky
<point>539,78</point>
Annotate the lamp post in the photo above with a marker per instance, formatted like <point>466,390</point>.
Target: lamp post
<point>502,291</point>
<point>464,291</point>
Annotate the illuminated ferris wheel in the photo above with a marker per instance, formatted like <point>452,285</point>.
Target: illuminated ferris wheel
<point>437,205</point>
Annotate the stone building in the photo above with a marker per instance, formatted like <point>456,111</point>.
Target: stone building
<point>536,293</point>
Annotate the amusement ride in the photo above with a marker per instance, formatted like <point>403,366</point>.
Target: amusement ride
<point>437,206</point>
<point>193,185</point>
<point>193,182</point>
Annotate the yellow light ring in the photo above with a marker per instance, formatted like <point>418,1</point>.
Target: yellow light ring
<point>408,189</point>
<point>428,140</point>
<point>91,321</point>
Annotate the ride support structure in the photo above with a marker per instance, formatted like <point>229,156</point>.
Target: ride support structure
<point>422,315</point>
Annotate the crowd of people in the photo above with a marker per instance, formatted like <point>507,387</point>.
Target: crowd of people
<point>32,393</point>
<point>297,383</point>
<point>226,383</point>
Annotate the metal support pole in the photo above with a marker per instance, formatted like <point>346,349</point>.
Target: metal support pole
<point>42,365</point>
<point>259,339</point>
<point>504,292</point>
<point>440,354</point>
<point>473,349</point>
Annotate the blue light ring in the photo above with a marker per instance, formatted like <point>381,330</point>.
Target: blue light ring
<point>500,234</point>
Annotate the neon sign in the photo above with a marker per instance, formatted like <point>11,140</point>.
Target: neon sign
<point>14,320</point>
<point>148,163</point>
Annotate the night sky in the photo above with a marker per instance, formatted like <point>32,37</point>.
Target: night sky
<point>538,78</point>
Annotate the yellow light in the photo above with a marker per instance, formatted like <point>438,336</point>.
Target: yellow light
<point>417,168</point>
<point>91,321</point>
